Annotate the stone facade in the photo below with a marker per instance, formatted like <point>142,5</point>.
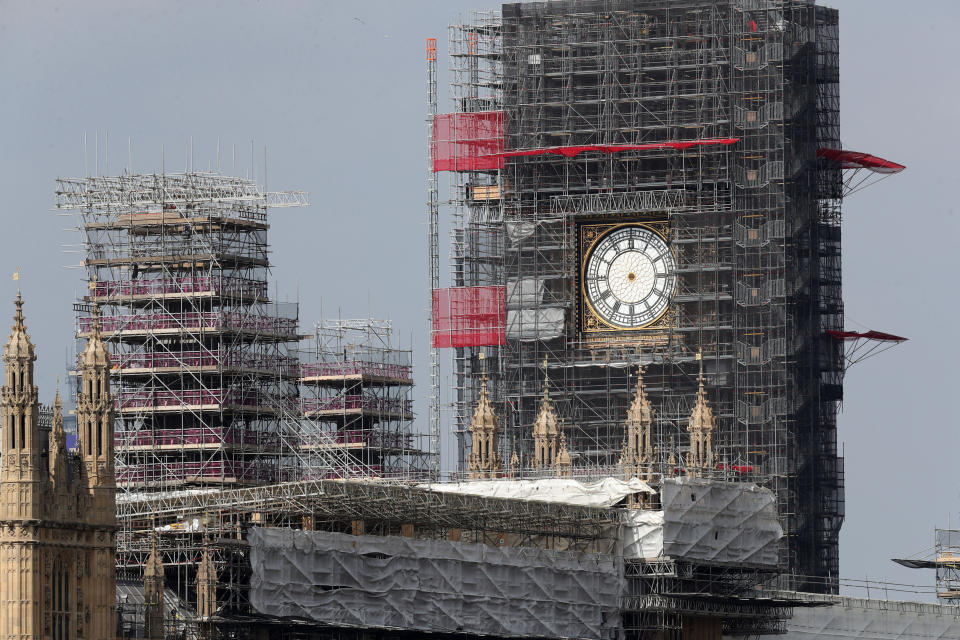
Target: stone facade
<point>57,510</point>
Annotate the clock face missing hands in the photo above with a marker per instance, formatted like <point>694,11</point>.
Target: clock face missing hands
<point>629,277</point>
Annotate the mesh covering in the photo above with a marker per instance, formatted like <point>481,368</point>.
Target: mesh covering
<point>642,534</point>
<point>868,619</point>
<point>467,141</point>
<point>536,324</point>
<point>433,585</point>
<point>525,292</point>
<point>731,522</point>
<point>468,317</point>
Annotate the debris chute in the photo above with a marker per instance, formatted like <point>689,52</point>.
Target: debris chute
<point>860,169</point>
<point>860,345</point>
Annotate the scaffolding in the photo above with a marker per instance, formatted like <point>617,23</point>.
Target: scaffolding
<point>665,592</point>
<point>206,369</point>
<point>355,387</point>
<point>699,120</point>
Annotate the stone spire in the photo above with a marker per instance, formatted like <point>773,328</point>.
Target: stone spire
<point>206,584</point>
<point>58,444</point>
<point>546,433</point>
<point>637,457</point>
<point>19,346</point>
<point>153,586</point>
<point>701,428</point>
<point>564,463</point>
<point>514,461</point>
<point>485,460</point>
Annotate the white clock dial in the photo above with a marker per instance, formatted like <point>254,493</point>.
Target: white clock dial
<point>629,277</point>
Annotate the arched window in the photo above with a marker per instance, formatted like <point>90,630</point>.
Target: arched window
<point>60,601</point>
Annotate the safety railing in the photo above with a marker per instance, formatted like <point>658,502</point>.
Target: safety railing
<point>194,437</point>
<point>354,368</point>
<point>184,285</point>
<point>198,398</point>
<point>212,320</point>
<point>159,473</point>
<point>224,359</point>
<point>358,402</point>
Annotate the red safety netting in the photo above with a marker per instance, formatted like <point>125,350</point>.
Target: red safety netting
<point>469,317</point>
<point>467,141</point>
<point>570,151</point>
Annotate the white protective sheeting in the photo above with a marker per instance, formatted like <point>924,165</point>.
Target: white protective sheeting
<point>537,324</point>
<point>525,293</point>
<point>519,231</point>
<point>873,620</point>
<point>730,522</point>
<point>433,585</point>
<point>603,493</point>
<point>641,535</point>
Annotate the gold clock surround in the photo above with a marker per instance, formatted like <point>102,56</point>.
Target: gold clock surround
<point>590,321</point>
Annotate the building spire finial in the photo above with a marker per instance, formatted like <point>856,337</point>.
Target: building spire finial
<point>95,328</point>
<point>18,324</point>
<point>546,378</point>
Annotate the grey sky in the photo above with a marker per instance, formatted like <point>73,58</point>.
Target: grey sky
<point>336,92</point>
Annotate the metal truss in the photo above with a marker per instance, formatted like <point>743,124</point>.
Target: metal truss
<point>145,190</point>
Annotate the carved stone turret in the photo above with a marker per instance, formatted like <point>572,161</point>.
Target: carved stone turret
<point>95,415</point>
<point>701,427</point>
<point>206,584</point>
<point>153,586</point>
<point>564,463</point>
<point>22,472</point>
<point>546,431</point>
<point>58,447</point>
<point>485,460</point>
<point>514,461</point>
<point>637,457</point>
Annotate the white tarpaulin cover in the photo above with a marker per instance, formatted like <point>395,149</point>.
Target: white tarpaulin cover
<point>641,535</point>
<point>603,493</point>
<point>433,585</point>
<point>535,324</point>
<point>856,618</point>
<point>518,231</point>
<point>733,522</point>
<point>525,293</point>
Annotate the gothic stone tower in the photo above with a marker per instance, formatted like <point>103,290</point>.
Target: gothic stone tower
<point>57,513</point>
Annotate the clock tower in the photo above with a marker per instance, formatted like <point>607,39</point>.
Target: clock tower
<point>639,183</point>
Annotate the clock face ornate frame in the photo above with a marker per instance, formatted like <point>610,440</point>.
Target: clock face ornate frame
<point>627,276</point>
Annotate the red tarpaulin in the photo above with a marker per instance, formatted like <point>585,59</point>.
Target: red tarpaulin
<point>860,345</point>
<point>857,160</point>
<point>469,317</point>
<point>467,141</point>
<point>572,150</point>
<point>868,335</point>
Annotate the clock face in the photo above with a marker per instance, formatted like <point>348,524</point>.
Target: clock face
<point>628,277</point>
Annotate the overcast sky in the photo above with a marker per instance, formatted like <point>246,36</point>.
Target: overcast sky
<point>336,91</point>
